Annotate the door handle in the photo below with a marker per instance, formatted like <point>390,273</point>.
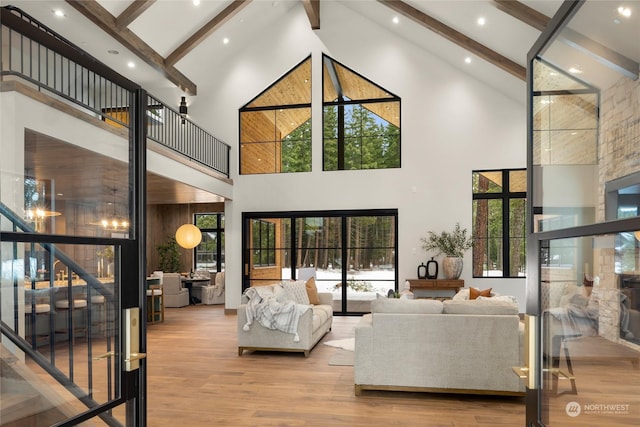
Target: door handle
<point>105,356</point>
<point>136,356</point>
<point>132,339</point>
<point>527,372</point>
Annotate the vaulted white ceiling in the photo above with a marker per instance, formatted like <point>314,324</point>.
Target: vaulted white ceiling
<point>165,27</point>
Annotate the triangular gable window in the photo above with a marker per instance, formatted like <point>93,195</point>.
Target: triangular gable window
<point>361,121</point>
<point>275,127</point>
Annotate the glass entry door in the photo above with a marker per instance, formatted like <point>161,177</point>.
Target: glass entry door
<point>72,176</point>
<point>583,243</point>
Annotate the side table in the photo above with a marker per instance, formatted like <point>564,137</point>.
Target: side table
<point>436,285</point>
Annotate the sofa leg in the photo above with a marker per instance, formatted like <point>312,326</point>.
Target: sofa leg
<point>240,350</point>
<point>358,390</point>
<point>306,353</point>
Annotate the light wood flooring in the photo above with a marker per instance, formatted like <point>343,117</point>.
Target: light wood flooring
<point>196,378</point>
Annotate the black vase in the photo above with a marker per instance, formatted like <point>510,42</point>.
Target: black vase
<point>432,269</point>
<point>422,271</point>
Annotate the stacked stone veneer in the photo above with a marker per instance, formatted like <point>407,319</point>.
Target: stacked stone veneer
<point>618,156</point>
<point>619,151</point>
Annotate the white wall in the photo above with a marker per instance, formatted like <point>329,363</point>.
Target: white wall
<point>451,125</point>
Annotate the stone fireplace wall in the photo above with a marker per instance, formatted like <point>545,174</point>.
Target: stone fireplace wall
<point>618,156</point>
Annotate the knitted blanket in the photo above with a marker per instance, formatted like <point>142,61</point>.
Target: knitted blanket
<point>272,314</point>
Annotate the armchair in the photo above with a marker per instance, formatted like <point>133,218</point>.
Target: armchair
<point>174,294</point>
<point>214,292</point>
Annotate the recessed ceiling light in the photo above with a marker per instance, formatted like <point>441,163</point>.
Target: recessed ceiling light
<point>196,2</point>
<point>395,19</point>
<point>59,13</point>
<point>131,64</point>
<point>467,60</point>
<point>624,11</point>
<point>113,52</point>
<point>481,21</point>
<point>225,40</point>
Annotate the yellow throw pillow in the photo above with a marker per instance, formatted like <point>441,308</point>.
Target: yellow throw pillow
<point>312,291</point>
<point>475,293</point>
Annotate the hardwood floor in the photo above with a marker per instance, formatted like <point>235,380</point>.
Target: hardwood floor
<point>196,378</point>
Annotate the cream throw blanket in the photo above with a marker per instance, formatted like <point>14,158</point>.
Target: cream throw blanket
<point>271,314</point>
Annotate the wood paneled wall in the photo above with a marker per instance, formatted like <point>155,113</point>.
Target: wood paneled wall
<point>162,223</point>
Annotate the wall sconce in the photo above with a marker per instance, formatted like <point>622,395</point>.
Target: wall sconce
<point>183,109</point>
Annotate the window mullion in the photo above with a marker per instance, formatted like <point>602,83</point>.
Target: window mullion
<point>506,241</point>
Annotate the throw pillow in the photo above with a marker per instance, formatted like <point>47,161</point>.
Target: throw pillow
<point>312,291</point>
<point>297,291</point>
<point>462,295</point>
<point>475,293</point>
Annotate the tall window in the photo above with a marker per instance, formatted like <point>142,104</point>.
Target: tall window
<point>361,121</point>
<point>263,242</point>
<point>209,254</point>
<point>275,127</point>
<point>499,209</point>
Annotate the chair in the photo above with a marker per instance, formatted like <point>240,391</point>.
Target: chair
<point>155,299</point>
<point>173,293</point>
<point>214,292</point>
<point>36,322</point>
<point>74,315</point>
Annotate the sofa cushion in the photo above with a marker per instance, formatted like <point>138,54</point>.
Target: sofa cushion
<point>503,298</point>
<point>475,293</point>
<point>406,306</point>
<point>297,291</point>
<point>312,291</point>
<point>479,306</point>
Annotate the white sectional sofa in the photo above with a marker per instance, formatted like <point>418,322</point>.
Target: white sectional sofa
<point>450,347</point>
<point>314,322</point>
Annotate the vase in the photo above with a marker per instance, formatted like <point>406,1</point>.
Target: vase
<point>422,271</point>
<point>432,269</point>
<point>452,267</point>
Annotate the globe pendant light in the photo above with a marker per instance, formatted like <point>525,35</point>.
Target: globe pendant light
<point>188,236</point>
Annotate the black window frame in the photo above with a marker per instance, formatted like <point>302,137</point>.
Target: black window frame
<point>265,249</point>
<point>293,217</point>
<point>219,231</point>
<point>506,196</point>
<point>340,132</point>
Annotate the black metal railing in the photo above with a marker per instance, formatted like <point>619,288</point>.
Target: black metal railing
<point>34,53</point>
<point>169,128</point>
<point>83,357</point>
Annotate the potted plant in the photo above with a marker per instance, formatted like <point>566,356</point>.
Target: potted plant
<point>169,254</point>
<point>453,244</point>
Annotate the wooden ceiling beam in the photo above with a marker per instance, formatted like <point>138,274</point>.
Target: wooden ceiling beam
<point>134,10</point>
<point>603,54</point>
<point>523,13</point>
<point>204,32</point>
<point>457,37</point>
<point>312,7</point>
<point>107,22</point>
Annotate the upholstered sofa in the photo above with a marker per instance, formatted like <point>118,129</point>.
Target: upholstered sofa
<point>451,347</point>
<point>313,323</point>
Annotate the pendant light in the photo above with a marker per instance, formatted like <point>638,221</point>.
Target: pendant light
<point>113,222</point>
<point>188,235</point>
